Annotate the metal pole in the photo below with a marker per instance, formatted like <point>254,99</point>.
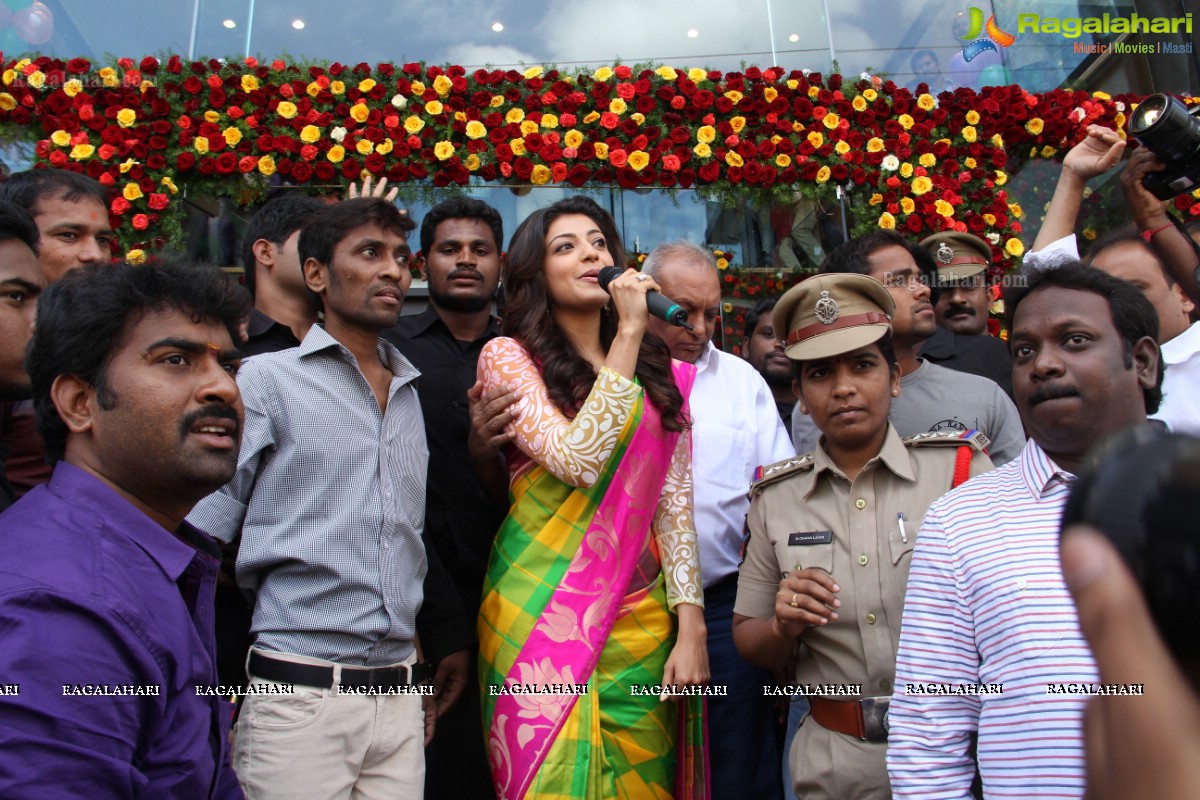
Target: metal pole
<point>195,28</point>
<point>829,33</point>
<point>249,27</point>
<point>771,33</point>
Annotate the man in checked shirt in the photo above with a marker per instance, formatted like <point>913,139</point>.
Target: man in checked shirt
<point>329,497</point>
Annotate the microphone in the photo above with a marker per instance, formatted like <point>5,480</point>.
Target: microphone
<point>659,306</point>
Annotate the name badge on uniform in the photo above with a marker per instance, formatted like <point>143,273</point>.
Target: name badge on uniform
<point>810,537</point>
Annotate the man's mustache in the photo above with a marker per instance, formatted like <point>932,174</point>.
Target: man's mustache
<point>210,412</point>
<point>1051,391</point>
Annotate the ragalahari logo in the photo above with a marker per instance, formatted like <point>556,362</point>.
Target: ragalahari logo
<point>978,43</point>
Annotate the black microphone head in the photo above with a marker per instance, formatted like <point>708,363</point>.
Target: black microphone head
<point>607,275</point>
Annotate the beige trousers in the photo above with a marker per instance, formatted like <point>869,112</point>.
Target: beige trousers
<point>316,743</point>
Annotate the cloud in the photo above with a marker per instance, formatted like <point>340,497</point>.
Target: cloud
<point>473,56</point>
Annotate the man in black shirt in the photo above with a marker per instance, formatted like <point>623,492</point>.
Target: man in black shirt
<point>460,248</point>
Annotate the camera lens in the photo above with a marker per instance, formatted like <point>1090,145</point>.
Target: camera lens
<point>1163,124</point>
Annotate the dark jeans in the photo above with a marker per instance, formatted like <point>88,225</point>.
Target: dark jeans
<point>744,744</point>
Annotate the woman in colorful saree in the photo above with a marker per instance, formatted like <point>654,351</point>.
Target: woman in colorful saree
<point>598,557</point>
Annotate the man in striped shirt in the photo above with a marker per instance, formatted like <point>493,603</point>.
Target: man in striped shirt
<point>990,644</point>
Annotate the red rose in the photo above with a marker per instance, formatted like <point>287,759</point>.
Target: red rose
<point>227,162</point>
<point>623,72</point>
<point>710,172</point>
<point>140,222</point>
<point>523,168</point>
<point>301,172</point>
<point>78,66</point>
<point>185,161</point>
<point>119,206</point>
<point>158,201</point>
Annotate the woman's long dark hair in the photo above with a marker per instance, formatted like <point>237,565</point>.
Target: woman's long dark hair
<point>528,319</point>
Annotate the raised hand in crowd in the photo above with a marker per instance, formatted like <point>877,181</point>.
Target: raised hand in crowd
<point>1099,152</point>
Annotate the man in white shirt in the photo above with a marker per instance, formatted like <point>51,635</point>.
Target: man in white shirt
<point>735,428</point>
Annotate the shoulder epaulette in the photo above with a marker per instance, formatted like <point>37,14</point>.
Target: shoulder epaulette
<point>780,469</point>
<point>972,438</point>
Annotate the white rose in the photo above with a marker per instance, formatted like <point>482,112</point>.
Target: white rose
<point>890,162</point>
<point>399,101</point>
<point>337,134</point>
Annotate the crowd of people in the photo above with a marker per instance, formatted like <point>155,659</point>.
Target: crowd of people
<point>561,547</point>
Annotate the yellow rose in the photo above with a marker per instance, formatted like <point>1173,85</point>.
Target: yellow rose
<point>859,103</point>
<point>906,170</point>
<point>831,121</point>
<point>232,136</point>
<point>601,150</point>
<point>414,124</point>
<point>1119,120</point>
<point>201,144</point>
<point>364,147</point>
<point>36,79</point>
<point>135,257</point>
<point>1089,234</point>
<point>1048,151</point>
<point>591,117</point>
<point>337,87</point>
<point>887,221</point>
<point>443,150</point>
<point>706,134</point>
<point>695,75</point>
<point>722,263</point>
<point>816,138</point>
<point>1014,247</point>
<point>1102,95</point>
<point>969,133</point>
<point>874,144</point>
<point>549,121</point>
<point>518,147</point>
<point>776,139</point>
<point>286,109</point>
<point>533,72</point>
<point>927,160</point>
<point>617,106</point>
<point>132,192</point>
<point>366,85</point>
<point>313,89</point>
<point>926,102</point>
<point>602,74</point>
<point>1001,177</point>
<point>733,159</point>
<point>336,154</point>
<point>540,175</point>
<point>212,116</point>
<point>970,163</point>
<point>823,174</point>
<point>702,150</point>
<point>7,102</point>
<point>1035,126</point>
<point>108,76</point>
<point>442,85</point>
<point>126,117</point>
<point>990,219</point>
<point>943,208</point>
<point>783,161</point>
<point>638,118</point>
<point>60,138</point>
<point>734,96</point>
<point>793,84</point>
<point>997,140</point>
<point>433,108</point>
<point>126,165</point>
<point>9,76</point>
<point>1014,209</point>
<point>871,95</point>
<point>737,123</point>
<point>266,166</point>
<point>359,112</point>
<point>384,147</point>
<point>476,129</point>
<point>667,74</point>
<point>573,138</point>
<point>907,205</point>
<point>472,163</point>
<point>841,148</point>
<point>727,308</point>
<point>972,117</point>
<point>83,151</point>
<point>921,184</point>
<point>905,121</point>
<point>249,83</point>
<point>638,159</point>
<point>770,93</point>
<point>310,134</point>
<point>460,116</point>
<point>876,199</point>
<point>528,127</point>
<point>514,116</point>
<point>169,185</point>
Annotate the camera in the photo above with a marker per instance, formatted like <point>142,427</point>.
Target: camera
<point>1172,132</point>
<point>1140,489</point>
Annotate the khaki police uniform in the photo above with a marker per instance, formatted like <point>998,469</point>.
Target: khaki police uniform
<point>804,513</point>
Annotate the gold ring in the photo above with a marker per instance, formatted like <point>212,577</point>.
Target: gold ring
<point>793,602</point>
<point>643,277</point>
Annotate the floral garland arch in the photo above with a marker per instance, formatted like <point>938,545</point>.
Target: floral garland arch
<point>923,163</point>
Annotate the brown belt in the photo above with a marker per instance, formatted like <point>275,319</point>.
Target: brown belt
<point>864,719</point>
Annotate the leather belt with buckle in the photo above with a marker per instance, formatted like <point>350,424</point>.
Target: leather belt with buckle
<point>865,719</point>
<point>274,669</point>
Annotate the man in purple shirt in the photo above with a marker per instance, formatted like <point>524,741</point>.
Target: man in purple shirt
<point>106,594</point>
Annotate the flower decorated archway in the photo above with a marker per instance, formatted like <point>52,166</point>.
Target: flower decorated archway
<point>924,163</point>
